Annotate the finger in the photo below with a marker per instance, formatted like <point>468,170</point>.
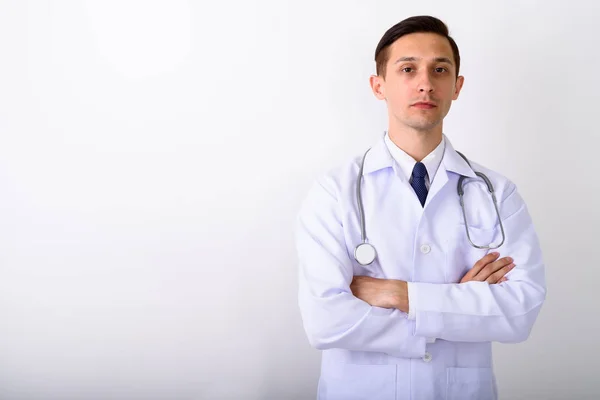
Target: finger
<point>492,268</point>
<point>499,275</point>
<point>495,277</point>
<point>479,265</point>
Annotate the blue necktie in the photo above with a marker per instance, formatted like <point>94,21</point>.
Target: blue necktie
<point>418,182</point>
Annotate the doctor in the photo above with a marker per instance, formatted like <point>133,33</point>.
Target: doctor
<point>416,318</point>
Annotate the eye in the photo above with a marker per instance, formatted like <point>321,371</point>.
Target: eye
<point>407,69</point>
<point>440,69</point>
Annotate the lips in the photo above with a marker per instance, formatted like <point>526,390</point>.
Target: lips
<point>424,105</point>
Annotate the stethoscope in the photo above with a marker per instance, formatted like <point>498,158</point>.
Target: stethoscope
<point>365,252</point>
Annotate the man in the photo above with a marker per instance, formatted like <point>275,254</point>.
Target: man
<point>418,322</point>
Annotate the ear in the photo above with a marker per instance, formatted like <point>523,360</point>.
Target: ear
<point>378,86</point>
<point>458,86</point>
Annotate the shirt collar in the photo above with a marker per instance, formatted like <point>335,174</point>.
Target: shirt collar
<point>380,156</point>
<point>432,161</point>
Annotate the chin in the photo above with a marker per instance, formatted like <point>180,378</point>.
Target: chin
<point>423,125</point>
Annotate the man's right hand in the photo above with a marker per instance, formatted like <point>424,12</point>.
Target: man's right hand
<point>489,269</point>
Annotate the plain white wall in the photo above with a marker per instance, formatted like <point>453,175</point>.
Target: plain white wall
<point>153,156</point>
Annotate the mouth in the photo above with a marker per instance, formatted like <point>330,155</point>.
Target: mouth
<point>424,105</point>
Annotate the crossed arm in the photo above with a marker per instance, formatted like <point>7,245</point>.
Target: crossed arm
<point>340,310</point>
<point>391,293</point>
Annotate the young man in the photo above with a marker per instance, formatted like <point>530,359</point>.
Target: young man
<point>414,316</point>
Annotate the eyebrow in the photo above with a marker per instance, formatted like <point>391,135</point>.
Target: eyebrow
<point>437,59</point>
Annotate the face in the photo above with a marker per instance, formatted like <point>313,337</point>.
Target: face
<point>420,81</point>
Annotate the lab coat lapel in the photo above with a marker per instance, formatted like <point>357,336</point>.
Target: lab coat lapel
<point>440,180</point>
<point>452,162</point>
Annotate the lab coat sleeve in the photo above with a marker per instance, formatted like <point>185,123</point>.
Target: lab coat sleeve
<point>482,312</point>
<point>332,316</point>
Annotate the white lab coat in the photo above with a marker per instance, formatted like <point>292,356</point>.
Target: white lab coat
<point>445,352</point>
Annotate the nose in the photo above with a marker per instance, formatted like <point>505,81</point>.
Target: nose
<point>425,83</point>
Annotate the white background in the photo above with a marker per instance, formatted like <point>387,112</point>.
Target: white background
<point>153,156</point>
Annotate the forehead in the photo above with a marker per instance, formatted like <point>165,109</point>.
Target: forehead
<point>420,45</point>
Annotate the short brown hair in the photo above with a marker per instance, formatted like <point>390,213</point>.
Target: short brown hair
<point>421,23</point>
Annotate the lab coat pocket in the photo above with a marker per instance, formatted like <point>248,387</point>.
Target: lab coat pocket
<point>470,384</point>
<point>359,382</point>
<point>461,255</point>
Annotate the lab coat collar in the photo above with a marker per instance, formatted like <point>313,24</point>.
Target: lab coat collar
<point>453,162</point>
<point>379,158</point>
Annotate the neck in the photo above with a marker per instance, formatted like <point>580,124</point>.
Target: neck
<point>416,143</point>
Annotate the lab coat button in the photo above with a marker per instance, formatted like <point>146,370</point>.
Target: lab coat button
<point>427,357</point>
<point>425,248</point>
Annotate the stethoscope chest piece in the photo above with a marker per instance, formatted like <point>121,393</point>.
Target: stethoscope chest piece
<point>365,254</point>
